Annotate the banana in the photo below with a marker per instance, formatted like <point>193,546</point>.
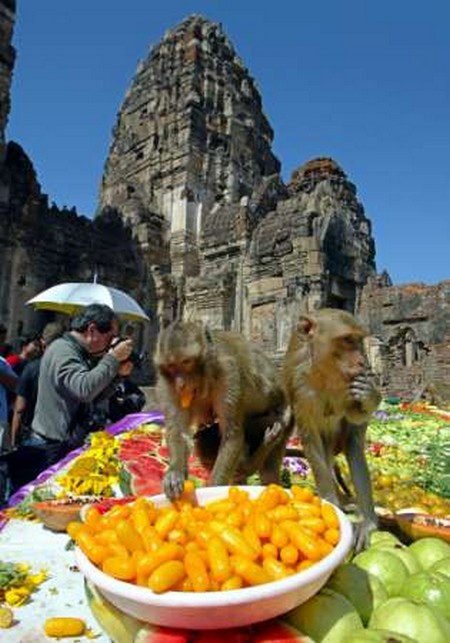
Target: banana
<point>120,627</point>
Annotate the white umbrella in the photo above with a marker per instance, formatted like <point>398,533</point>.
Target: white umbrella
<point>69,298</point>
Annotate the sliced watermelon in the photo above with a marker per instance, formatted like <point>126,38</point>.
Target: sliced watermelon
<point>142,476</point>
<point>131,449</point>
<point>275,631</point>
<point>234,635</point>
<point>147,487</point>
<point>146,466</point>
<point>163,452</point>
<point>106,504</point>
<point>144,460</point>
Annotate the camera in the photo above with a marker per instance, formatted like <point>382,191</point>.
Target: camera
<point>135,357</point>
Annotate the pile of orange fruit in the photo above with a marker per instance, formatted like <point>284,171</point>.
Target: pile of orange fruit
<point>230,543</point>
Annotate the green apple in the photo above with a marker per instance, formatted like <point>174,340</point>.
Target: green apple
<point>386,566</point>
<point>429,550</point>
<point>380,537</point>
<point>379,636</point>
<point>327,617</point>
<point>411,618</point>
<point>442,566</point>
<point>364,590</point>
<point>431,588</point>
<point>406,556</point>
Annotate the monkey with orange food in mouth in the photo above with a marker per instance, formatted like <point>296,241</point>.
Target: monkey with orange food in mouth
<point>224,389</point>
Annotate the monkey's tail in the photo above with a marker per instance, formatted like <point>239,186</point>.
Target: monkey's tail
<point>341,480</point>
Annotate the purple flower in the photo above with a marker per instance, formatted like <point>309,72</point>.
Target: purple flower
<point>297,466</point>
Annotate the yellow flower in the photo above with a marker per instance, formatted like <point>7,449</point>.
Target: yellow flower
<point>36,579</point>
<point>90,634</point>
<point>16,596</point>
<point>94,471</point>
<point>21,583</point>
<point>101,439</point>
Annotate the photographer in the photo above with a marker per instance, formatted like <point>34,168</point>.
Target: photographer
<point>76,369</point>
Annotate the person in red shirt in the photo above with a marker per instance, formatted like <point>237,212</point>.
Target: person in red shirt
<point>29,348</point>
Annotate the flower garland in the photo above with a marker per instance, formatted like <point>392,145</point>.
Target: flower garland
<point>95,471</point>
<point>17,583</point>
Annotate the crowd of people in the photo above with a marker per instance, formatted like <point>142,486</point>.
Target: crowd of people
<point>59,386</point>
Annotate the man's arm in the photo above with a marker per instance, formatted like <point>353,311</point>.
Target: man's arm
<point>7,376</point>
<point>19,407</point>
<point>84,383</point>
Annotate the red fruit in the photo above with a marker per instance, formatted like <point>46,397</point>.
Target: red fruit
<point>146,487</point>
<point>163,452</point>
<point>145,467</point>
<point>233,635</point>
<point>275,631</point>
<point>107,503</point>
<point>137,446</point>
<point>142,476</point>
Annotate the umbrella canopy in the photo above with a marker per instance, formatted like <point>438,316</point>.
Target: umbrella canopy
<point>69,298</point>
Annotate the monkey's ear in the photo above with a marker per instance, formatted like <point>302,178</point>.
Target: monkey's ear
<point>306,325</point>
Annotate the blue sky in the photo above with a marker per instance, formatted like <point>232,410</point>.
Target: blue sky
<point>367,83</point>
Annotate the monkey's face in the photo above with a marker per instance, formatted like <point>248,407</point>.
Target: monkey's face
<point>348,354</point>
<point>181,374</point>
<point>180,359</point>
<point>337,352</point>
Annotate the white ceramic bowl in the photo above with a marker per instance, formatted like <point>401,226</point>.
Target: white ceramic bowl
<point>214,610</point>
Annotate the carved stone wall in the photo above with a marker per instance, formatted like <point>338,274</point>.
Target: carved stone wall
<point>410,335</point>
<point>315,249</point>
<point>7,57</point>
<point>190,134</point>
<point>193,143</point>
<point>41,246</point>
<point>194,219</point>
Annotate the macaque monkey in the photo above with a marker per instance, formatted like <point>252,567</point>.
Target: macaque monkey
<point>222,389</point>
<point>332,396</point>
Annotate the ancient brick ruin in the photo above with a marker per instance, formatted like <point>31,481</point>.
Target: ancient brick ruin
<point>410,340</point>
<point>193,203</point>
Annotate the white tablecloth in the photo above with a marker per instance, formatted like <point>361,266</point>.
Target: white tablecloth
<point>61,595</point>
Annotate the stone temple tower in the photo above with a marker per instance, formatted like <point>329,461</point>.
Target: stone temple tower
<point>191,172</point>
<point>7,57</point>
<point>190,136</point>
<point>195,221</point>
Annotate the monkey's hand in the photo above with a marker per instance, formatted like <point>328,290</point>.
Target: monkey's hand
<point>174,484</point>
<point>364,391</point>
<point>273,434</point>
<point>362,533</point>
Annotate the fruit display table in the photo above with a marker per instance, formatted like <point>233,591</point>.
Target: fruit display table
<point>408,454</point>
<point>408,450</point>
<point>62,594</point>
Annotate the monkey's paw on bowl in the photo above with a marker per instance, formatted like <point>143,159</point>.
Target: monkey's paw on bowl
<point>219,609</point>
